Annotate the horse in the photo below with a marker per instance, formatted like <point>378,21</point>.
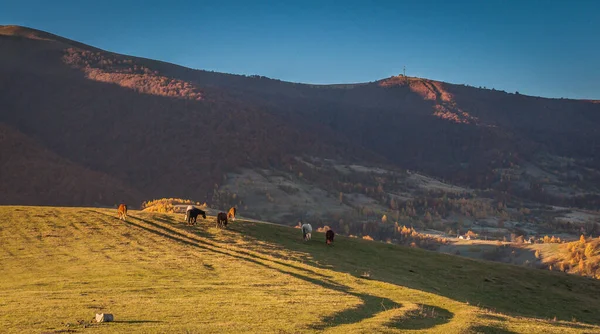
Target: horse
<point>193,215</point>
<point>187,211</point>
<point>329,237</point>
<point>222,219</point>
<point>122,211</point>
<point>231,213</point>
<point>306,232</point>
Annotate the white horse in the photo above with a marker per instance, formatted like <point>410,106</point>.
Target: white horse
<point>306,232</point>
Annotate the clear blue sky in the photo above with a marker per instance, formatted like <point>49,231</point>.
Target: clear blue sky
<point>544,48</point>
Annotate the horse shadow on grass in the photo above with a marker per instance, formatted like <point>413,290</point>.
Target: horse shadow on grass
<point>370,306</point>
<point>214,246</point>
<point>205,223</point>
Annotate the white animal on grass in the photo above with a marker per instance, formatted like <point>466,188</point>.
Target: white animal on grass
<point>306,232</point>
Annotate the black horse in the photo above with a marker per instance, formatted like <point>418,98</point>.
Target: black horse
<point>329,237</point>
<point>193,214</point>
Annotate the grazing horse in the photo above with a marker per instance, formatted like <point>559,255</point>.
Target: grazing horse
<point>306,232</point>
<point>187,212</point>
<point>222,219</point>
<point>193,214</point>
<point>122,211</point>
<point>231,213</point>
<point>329,237</point>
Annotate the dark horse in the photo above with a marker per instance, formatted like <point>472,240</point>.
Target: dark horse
<point>193,214</point>
<point>329,237</point>
<point>222,219</point>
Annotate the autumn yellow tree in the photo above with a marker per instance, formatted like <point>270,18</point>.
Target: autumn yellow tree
<point>581,267</point>
<point>589,251</point>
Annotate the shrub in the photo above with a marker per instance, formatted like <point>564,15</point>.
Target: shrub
<point>167,205</point>
<point>323,229</point>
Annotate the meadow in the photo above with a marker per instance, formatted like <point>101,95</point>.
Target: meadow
<point>61,266</point>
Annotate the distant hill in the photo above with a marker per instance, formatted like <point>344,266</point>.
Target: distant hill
<point>162,130</point>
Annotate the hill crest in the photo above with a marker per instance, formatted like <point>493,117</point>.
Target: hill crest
<point>32,33</point>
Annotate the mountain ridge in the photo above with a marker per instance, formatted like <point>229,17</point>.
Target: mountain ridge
<point>32,33</point>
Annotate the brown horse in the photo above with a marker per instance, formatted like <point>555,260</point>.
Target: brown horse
<point>122,211</point>
<point>222,219</point>
<point>329,237</point>
<point>231,213</point>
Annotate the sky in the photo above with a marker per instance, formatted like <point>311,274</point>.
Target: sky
<point>537,47</point>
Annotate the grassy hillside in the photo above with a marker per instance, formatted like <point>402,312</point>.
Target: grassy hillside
<point>62,265</point>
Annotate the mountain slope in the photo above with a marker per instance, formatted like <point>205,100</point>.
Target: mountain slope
<point>167,130</point>
<point>33,175</point>
<point>156,275</point>
<point>158,143</point>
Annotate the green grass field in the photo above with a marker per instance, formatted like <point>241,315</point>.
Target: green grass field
<point>61,266</point>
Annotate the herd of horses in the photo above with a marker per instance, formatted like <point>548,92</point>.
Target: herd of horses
<point>192,213</point>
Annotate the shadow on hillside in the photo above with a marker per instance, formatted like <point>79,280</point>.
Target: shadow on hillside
<point>511,254</point>
<point>493,317</point>
<point>426,316</point>
<point>200,227</point>
<point>503,288</point>
<point>490,330</point>
<point>370,306</point>
<point>213,246</point>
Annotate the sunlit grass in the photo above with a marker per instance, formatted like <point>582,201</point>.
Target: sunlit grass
<point>60,266</point>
